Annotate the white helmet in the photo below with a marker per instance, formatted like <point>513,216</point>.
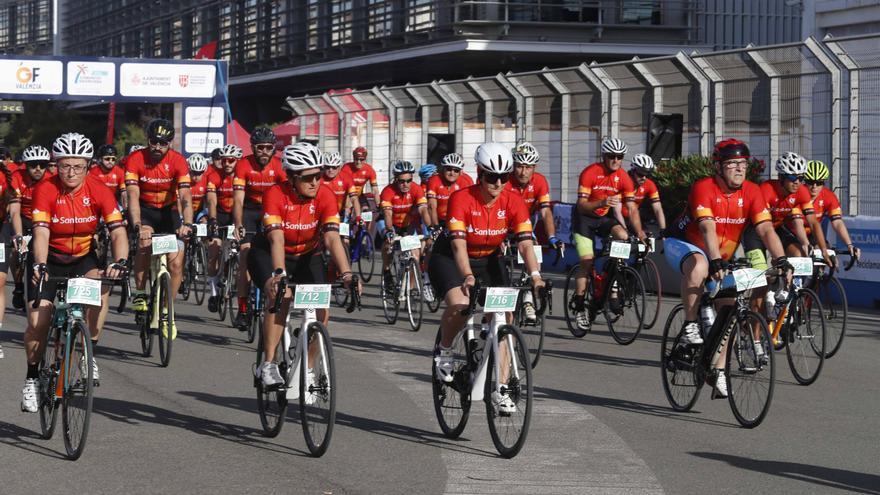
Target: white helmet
<point>403,167</point>
<point>136,147</point>
<point>526,154</point>
<point>231,150</point>
<point>72,145</point>
<point>301,156</point>
<point>197,163</point>
<point>452,160</point>
<point>494,158</point>
<point>642,163</point>
<point>791,164</point>
<point>332,159</point>
<point>35,153</point>
<point>613,146</point>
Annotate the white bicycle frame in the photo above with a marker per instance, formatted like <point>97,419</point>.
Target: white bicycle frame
<point>478,379</point>
<point>158,265</point>
<point>299,362</point>
<point>401,258</point>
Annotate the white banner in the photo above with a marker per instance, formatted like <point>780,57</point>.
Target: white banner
<point>167,80</point>
<point>205,117</point>
<point>865,234</point>
<point>31,77</point>
<point>91,78</point>
<point>202,142</point>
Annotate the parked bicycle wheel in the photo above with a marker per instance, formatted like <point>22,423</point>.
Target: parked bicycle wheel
<point>836,309</point>
<point>412,288</point>
<point>76,404</point>
<point>568,296</point>
<point>805,336</point>
<point>48,381</point>
<point>452,401</point>
<point>509,431</point>
<point>271,402</point>
<point>366,258</point>
<point>653,292</point>
<point>750,372</point>
<point>625,310</point>
<point>679,364</point>
<point>166,303</point>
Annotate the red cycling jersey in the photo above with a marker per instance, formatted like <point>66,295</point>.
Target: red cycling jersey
<point>401,204</point>
<point>785,206</point>
<point>730,211</point>
<point>360,177</point>
<point>341,186</point>
<point>536,193</point>
<point>647,190</point>
<point>438,189</point>
<point>221,184</point>
<point>825,202</point>
<point>4,187</point>
<point>158,183</point>
<point>22,190</point>
<point>255,181</point>
<point>72,217</point>
<point>198,190</point>
<point>300,218</point>
<point>485,227</point>
<point>114,179</point>
<point>596,183</point>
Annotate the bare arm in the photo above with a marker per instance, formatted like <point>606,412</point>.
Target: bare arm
<point>134,204</point>
<point>211,198</point>
<point>459,252</point>
<point>119,243</point>
<point>635,219</point>
<point>15,215</point>
<point>426,215</point>
<point>41,244</point>
<point>658,213</point>
<point>549,225</point>
<point>801,234</point>
<point>432,210</point>
<point>185,195</point>
<point>238,208</point>
<point>770,239</point>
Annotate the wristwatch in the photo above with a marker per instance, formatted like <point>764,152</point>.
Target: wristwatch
<point>279,272</point>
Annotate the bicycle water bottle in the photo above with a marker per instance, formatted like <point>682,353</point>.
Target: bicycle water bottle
<point>707,317</point>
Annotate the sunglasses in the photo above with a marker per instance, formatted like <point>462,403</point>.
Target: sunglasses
<point>403,181</point>
<point>109,158</point>
<point>612,156</point>
<point>643,176</point>
<point>452,169</point>
<point>159,142</point>
<point>230,160</point>
<point>309,178</point>
<point>494,178</point>
<point>815,182</point>
<point>264,147</point>
<point>792,177</point>
<point>37,164</point>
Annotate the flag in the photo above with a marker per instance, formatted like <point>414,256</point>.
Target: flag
<point>207,51</point>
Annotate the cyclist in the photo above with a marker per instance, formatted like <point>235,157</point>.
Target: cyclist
<point>297,215</point>
<point>826,202</point>
<point>450,179</point>
<point>360,172</point>
<point>426,171</point>
<point>604,187</point>
<point>198,166</point>
<point>481,217</point>
<point>67,209</point>
<point>640,171</point>
<point>156,178</point>
<point>220,199</point>
<point>398,200</point>
<point>705,236</point>
<point>254,174</point>
<point>341,185</point>
<point>21,193</point>
<point>109,173</point>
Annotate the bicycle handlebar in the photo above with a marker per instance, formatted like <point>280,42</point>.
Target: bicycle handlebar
<point>354,296</point>
<point>545,295</point>
<point>122,280</point>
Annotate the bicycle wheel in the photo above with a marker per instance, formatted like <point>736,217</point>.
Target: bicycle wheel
<point>367,257</point>
<point>836,309</point>
<point>434,303</point>
<point>222,296</point>
<point>532,332</point>
<point>48,380</point>
<point>750,377</point>
<point>625,313</point>
<point>806,338</point>
<point>509,430</point>
<point>317,399</point>
<point>256,316</point>
<point>568,296</point>
<point>76,403</point>
<point>452,401</point>
<point>232,289</point>
<point>200,278</point>
<point>271,402</point>
<point>147,335</point>
<point>186,282</point>
<point>679,364</point>
<point>390,301</point>
<point>653,292</point>
<point>412,288</point>
<point>166,317</point>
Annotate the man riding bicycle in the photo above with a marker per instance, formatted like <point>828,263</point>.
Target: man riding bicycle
<point>826,202</point>
<point>220,197</point>
<point>110,173</point>
<point>198,167</point>
<point>341,186</point>
<point>66,212</point>
<point>450,179</point>
<point>640,171</point>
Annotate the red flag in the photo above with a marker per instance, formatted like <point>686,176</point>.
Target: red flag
<point>207,51</point>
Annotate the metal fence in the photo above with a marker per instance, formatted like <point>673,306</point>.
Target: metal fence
<point>820,99</point>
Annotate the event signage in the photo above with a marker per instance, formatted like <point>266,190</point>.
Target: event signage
<point>31,77</point>
<point>91,78</point>
<point>167,80</point>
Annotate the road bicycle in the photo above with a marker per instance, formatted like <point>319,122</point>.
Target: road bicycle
<point>195,263</point>
<point>305,359</point>
<point>227,285</point>
<point>158,320</point>
<point>363,251</point>
<point>490,361</point>
<point>651,282</point>
<point>406,282</point>
<point>833,298</point>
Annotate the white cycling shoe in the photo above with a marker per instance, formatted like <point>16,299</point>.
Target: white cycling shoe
<point>29,396</point>
<point>269,374</point>
<point>445,365</point>
<point>503,404</point>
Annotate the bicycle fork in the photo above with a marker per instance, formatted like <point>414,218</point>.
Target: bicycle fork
<point>478,385</point>
<point>158,265</point>
<point>299,361</point>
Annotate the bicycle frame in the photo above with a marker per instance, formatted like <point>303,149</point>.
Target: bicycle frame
<point>158,266</point>
<point>64,317</point>
<point>478,380</point>
<point>301,357</point>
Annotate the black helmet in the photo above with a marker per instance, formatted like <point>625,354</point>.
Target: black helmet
<point>262,135</point>
<point>215,155</point>
<point>160,129</point>
<point>106,150</point>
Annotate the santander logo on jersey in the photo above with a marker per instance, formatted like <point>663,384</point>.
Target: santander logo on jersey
<point>299,226</point>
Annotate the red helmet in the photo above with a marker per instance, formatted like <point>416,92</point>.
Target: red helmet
<point>730,149</point>
<point>359,153</point>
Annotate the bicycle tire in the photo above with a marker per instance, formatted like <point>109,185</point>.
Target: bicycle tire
<point>271,403</point>
<point>836,313</point>
<point>631,294</point>
<point>256,317</point>
<point>166,317</point>
<point>366,257</point>
<point>749,378</point>
<point>533,334</point>
<point>47,381</point>
<point>434,304</point>
<point>805,349</point>
<point>232,289</point>
<point>568,295</point>
<point>415,306</point>
<point>221,298</point>
<point>509,433</point>
<point>390,301</point>
<point>319,417</point>
<point>452,401</point>
<point>201,275</point>
<point>679,364</point>
<point>76,402</point>
<point>653,292</point>
<point>146,334</point>
<point>186,280</point>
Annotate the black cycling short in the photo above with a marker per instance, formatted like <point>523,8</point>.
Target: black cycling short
<point>58,266</point>
<point>594,227</point>
<point>163,221</point>
<point>252,220</point>
<point>303,269</point>
<point>444,274</point>
<point>752,241</point>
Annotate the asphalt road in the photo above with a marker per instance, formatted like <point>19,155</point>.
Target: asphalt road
<point>601,423</point>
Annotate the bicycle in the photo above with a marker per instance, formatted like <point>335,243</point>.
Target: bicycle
<point>363,250</point>
<point>616,290</point>
<point>195,267</point>
<point>317,390</point>
<point>533,331</point>
<point>66,376</point>
<point>748,363</point>
<point>651,281</point>
<point>407,282</point>
<point>256,302</point>
<point>434,300</point>
<point>340,296</point>
<point>833,298</point>
<point>479,372</point>
<point>228,272</point>
<point>159,318</point>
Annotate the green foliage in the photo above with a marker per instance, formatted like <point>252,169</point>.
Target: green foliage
<point>43,121</point>
<point>130,133</point>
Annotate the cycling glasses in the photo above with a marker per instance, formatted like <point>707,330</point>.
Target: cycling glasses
<point>315,177</point>
<point>614,156</point>
<point>403,181</point>
<point>159,142</point>
<point>792,177</point>
<point>815,182</point>
<point>494,178</point>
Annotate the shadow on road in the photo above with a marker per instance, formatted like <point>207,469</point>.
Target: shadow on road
<point>601,358</point>
<point>380,346</point>
<point>18,437</point>
<point>841,479</point>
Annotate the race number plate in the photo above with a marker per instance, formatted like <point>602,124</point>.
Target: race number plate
<point>649,246</point>
<point>803,267</point>
<point>344,229</point>
<point>539,255</point>
<point>410,242</point>
<point>201,230</point>
<point>749,278</point>
<point>84,291</point>
<point>367,216</point>
<point>311,296</point>
<point>500,299</point>
<point>620,249</point>
<point>817,253</point>
<point>164,244</point>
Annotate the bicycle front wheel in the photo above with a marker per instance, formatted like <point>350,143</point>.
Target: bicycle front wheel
<point>200,277</point>
<point>366,258</point>
<point>317,400</point>
<point>188,278</point>
<point>806,338</point>
<point>570,303</point>
<point>48,381</point>
<point>147,335</point>
<point>653,292</point>
<point>679,364</point>
<point>165,302</point>
<point>232,289</point>
<point>750,369</point>
<point>389,295</point>
<point>509,426</point>
<point>255,320</point>
<point>836,309</point>
<point>532,332</point>
<point>452,401</point>
<point>76,403</point>
<point>625,309</point>
<point>271,402</point>
<point>413,289</point>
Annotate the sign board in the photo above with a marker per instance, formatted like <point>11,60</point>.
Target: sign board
<point>11,106</point>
